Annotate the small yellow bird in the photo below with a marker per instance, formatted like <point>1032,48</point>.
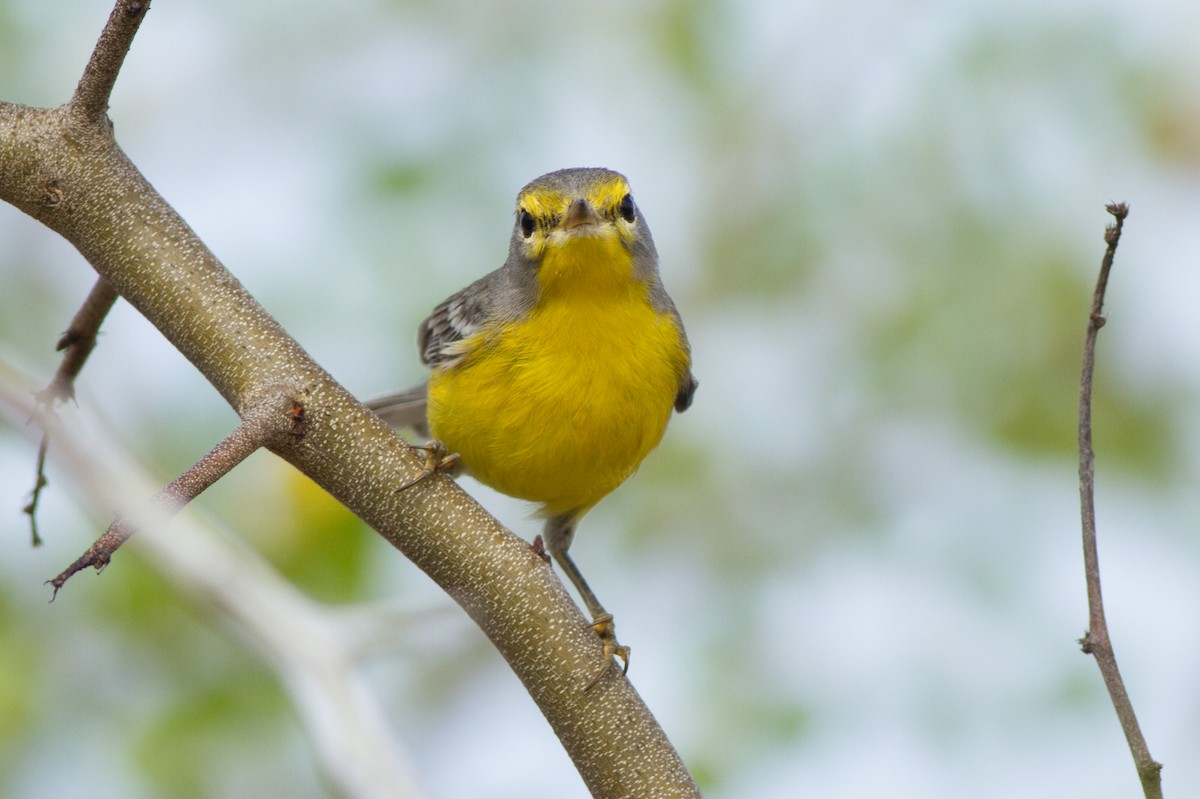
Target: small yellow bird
<point>555,375</point>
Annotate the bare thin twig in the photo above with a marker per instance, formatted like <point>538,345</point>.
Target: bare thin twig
<point>78,342</point>
<point>90,102</point>
<point>39,483</point>
<point>262,424</point>
<point>1096,641</point>
<point>76,345</point>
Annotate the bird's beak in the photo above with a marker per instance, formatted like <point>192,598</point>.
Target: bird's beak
<point>579,214</point>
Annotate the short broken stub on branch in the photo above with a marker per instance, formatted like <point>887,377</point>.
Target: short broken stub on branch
<point>276,420</point>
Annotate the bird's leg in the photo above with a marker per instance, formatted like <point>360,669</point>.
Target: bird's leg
<point>558,534</point>
<point>437,459</point>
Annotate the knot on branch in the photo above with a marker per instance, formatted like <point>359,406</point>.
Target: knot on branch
<point>51,193</point>
<point>276,416</point>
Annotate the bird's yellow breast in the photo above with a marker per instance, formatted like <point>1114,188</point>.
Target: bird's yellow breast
<point>561,406</point>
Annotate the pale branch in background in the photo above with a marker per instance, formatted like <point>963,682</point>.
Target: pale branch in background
<point>316,651</point>
<point>1095,641</point>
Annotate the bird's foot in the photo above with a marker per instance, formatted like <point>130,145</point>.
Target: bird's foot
<point>437,459</point>
<point>606,629</point>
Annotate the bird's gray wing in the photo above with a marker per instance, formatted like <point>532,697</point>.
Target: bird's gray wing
<point>440,341</point>
<point>440,336</point>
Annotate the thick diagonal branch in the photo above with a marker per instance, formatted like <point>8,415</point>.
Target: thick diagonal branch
<point>266,422</point>
<point>1096,641</point>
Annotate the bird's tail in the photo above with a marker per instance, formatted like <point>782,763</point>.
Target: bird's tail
<point>404,408</point>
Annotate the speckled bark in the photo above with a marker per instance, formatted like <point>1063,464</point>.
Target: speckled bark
<point>62,167</point>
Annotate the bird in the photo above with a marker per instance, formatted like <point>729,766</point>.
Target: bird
<point>555,375</point>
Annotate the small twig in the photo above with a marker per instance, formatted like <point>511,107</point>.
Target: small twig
<point>263,424</point>
<point>76,345</point>
<point>89,105</point>
<point>39,483</point>
<point>1096,641</point>
<point>78,342</point>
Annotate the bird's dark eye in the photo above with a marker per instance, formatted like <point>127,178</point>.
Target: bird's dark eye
<point>527,223</point>
<point>626,208</point>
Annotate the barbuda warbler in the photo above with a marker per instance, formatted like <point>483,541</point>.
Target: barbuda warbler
<point>555,375</point>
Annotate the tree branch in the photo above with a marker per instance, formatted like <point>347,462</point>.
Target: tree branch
<point>74,179</point>
<point>76,344</point>
<point>264,423</point>
<point>90,103</point>
<point>1096,641</point>
<point>39,482</point>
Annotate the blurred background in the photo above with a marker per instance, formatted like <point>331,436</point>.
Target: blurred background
<point>851,570</point>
